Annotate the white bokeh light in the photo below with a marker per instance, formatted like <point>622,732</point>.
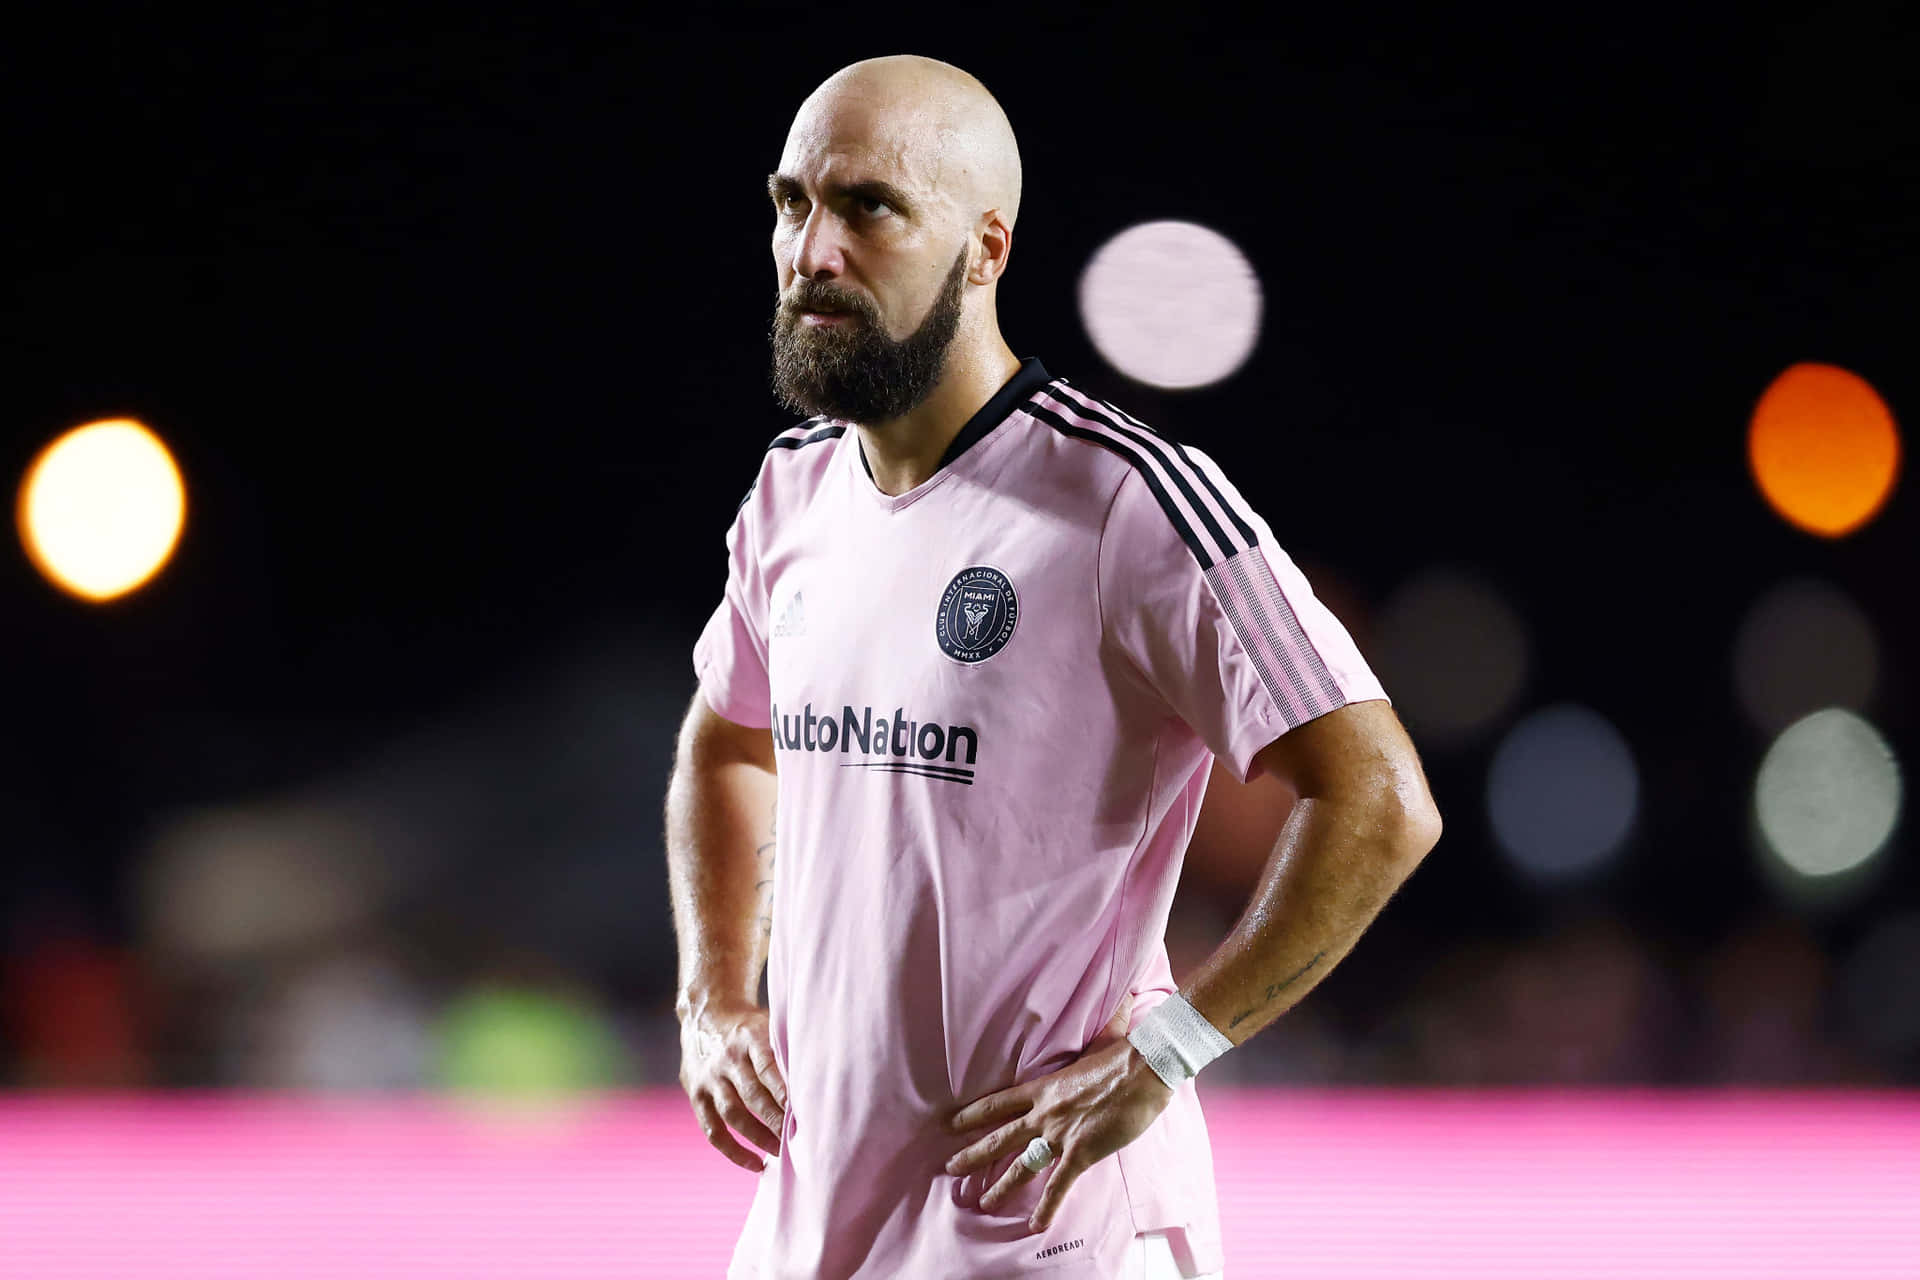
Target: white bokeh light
<point>1803,645</point>
<point>1827,795</point>
<point>1562,792</point>
<point>1453,652</point>
<point>101,508</point>
<point>1171,304</point>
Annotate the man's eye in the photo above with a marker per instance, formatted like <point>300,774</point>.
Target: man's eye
<point>787,202</point>
<point>872,206</point>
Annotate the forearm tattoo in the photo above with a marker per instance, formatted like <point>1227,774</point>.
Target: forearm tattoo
<point>1275,988</point>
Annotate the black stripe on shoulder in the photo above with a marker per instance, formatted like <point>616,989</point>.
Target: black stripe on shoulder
<point>1152,442</point>
<point>784,441</point>
<point>800,442</point>
<point>1233,512</point>
<point>1043,414</point>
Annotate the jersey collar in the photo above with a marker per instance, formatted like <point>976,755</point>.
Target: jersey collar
<point>1031,376</point>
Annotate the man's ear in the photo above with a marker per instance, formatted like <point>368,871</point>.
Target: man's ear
<point>996,246</point>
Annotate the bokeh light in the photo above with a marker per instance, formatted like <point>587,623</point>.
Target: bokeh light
<point>1171,304</point>
<point>1824,449</point>
<point>1803,645</point>
<point>235,882</point>
<point>100,509</point>
<point>1563,792</point>
<point>1827,795</point>
<point>1453,653</point>
<point>523,1042</point>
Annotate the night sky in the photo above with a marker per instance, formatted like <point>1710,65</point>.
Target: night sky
<point>458,330</point>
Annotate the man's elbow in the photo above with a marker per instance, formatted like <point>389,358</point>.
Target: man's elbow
<point>1414,828</point>
<point>1420,831</point>
<point>1409,821</point>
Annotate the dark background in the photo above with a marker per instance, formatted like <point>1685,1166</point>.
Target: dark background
<point>457,328</point>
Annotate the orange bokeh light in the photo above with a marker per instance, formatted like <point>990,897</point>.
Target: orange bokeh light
<point>1824,449</point>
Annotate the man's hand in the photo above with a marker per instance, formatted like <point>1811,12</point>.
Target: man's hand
<point>728,1071</point>
<point>1086,1111</point>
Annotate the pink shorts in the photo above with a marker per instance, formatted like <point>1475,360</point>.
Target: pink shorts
<point>1152,1258</point>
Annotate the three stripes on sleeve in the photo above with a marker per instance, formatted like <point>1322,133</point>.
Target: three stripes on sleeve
<point>1220,534</point>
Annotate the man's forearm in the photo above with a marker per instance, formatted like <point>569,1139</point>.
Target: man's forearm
<point>720,859</point>
<point>1332,870</point>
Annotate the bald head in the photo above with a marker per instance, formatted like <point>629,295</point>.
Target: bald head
<point>929,120</point>
<point>893,223</point>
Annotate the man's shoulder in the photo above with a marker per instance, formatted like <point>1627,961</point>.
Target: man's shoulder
<point>1087,424</point>
<point>1177,490</point>
<point>1072,436</point>
<point>803,434</point>
<point>794,461</point>
<point>1178,483</point>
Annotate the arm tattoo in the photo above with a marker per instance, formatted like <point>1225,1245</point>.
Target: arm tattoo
<point>1275,988</point>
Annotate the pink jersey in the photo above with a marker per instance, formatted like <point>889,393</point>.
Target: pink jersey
<point>994,699</point>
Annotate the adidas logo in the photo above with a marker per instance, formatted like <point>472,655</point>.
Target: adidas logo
<point>792,620</point>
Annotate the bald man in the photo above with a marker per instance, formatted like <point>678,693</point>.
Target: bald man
<point>982,638</point>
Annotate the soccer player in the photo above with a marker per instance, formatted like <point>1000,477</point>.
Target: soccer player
<point>983,636</point>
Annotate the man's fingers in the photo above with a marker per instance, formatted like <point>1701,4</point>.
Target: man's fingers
<point>987,1150</point>
<point>763,1105</point>
<point>722,1140</point>
<point>1008,1104</point>
<point>745,1123</point>
<point>769,1072</point>
<point>1010,1181</point>
<point>1065,1170</point>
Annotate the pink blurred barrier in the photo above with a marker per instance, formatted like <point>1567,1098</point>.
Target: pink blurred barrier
<point>1312,1184</point>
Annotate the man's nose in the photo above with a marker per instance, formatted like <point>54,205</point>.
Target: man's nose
<point>816,249</point>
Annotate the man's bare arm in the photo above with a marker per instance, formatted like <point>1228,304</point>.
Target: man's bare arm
<point>1363,821</point>
<point>720,857</point>
<point>720,872</point>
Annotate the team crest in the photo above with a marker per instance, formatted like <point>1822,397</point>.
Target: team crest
<point>977,614</point>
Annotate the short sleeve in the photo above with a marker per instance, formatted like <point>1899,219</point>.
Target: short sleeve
<point>731,655</point>
<point>1217,619</point>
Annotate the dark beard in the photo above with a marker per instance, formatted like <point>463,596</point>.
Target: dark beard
<point>853,370</point>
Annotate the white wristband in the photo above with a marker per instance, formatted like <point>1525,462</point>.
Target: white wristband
<point>1176,1040</point>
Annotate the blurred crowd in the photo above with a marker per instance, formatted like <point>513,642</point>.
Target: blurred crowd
<point>1586,1004</point>
<point>483,904</point>
<point>1592,1004</point>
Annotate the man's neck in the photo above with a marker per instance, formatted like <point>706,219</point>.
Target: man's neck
<point>904,453</point>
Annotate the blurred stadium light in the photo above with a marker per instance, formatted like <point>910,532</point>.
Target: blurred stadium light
<point>1453,653</point>
<point>228,883</point>
<point>1562,792</point>
<point>1171,304</point>
<point>524,1042</point>
<point>1826,797</point>
<point>100,509</point>
<point>1803,645</point>
<point>1824,449</point>
<point>344,1021</point>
